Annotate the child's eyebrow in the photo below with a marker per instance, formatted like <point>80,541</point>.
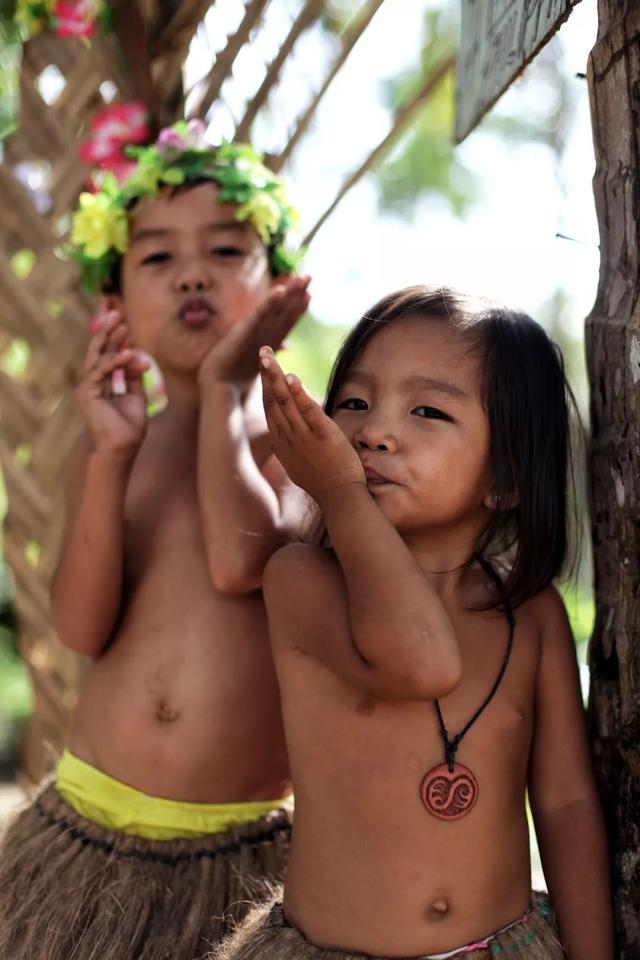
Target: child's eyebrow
<point>162,233</point>
<point>155,233</point>
<point>416,381</point>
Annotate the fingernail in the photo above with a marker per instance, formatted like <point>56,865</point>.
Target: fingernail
<point>118,383</point>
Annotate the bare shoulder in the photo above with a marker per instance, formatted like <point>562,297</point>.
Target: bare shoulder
<point>549,614</point>
<point>303,587</point>
<point>302,574</point>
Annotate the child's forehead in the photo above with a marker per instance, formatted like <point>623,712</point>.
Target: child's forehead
<point>416,338</point>
<point>412,348</point>
<point>194,207</point>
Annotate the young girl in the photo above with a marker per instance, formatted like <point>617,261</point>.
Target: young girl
<point>427,670</point>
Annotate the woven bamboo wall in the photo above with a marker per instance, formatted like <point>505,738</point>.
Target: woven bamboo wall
<point>45,317</point>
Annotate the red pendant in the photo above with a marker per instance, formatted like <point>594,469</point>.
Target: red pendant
<point>449,794</point>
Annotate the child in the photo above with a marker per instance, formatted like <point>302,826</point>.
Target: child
<point>167,815</point>
<point>426,682</point>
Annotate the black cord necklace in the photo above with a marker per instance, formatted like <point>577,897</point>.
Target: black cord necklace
<point>450,790</point>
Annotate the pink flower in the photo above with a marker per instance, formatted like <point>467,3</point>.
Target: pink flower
<point>76,18</point>
<point>122,123</point>
<point>169,139</point>
<point>112,128</point>
<point>193,135</point>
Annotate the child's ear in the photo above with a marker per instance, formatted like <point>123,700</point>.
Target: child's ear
<point>499,501</point>
<point>113,301</point>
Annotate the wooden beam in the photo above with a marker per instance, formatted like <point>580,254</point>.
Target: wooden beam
<point>403,117</point>
<point>131,32</point>
<point>349,41</point>
<point>308,14</point>
<point>212,83</point>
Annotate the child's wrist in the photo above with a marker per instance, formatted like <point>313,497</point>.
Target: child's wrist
<point>219,391</point>
<point>115,459</point>
<point>341,495</point>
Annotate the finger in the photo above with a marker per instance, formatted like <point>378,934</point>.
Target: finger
<point>276,421</point>
<point>94,350</point>
<point>136,387</point>
<point>280,321</point>
<point>118,337</point>
<point>310,411</point>
<point>280,394</point>
<point>106,364</point>
<point>118,383</point>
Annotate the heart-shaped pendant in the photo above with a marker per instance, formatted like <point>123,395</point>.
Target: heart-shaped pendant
<point>449,794</point>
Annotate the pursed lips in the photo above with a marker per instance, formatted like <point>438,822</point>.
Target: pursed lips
<point>374,478</point>
<point>196,312</point>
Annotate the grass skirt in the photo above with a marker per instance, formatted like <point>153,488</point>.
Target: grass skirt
<point>266,935</point>
<point>70,890</point>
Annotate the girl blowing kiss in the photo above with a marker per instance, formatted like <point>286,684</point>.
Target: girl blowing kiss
<point>427,670</point>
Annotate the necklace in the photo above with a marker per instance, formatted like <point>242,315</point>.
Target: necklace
<point>450,790</point>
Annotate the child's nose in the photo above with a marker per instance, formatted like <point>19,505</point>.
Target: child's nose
<point>373,436</point>
<point>193,277</point>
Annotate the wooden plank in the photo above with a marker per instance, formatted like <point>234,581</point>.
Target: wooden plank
<point>498,39</point>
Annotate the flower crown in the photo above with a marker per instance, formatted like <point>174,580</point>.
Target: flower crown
<point>100,226</point>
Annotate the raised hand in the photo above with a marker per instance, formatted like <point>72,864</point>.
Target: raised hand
<point>234,358</point>
<point>117,423</point>
<point>310,446</point>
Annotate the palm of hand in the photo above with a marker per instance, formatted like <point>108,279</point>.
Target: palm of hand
<point>322,461</point>
<point>234,359</point>
<point>120,419</point>
<point>312,448</point>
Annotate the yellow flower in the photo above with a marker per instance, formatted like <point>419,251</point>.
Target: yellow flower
<point>32,23</point>
<point>263,212</point>
<point>99,226</point>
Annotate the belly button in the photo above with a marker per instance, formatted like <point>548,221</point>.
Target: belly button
<point>366,706</point>
<point>165,714</point>
<point>438,910</point>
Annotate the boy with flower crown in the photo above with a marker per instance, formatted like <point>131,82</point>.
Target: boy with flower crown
<point>166,815</point>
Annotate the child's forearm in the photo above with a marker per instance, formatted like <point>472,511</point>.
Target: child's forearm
<point>239,508</point>
<point>87,588</point>
<point>398,622</point>
<point>574,856</point>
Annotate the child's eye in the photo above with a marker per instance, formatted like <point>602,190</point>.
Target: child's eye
<point>227,251</point>
<point>160,257</point>
<point>352,403</point>
<point>430,413</point>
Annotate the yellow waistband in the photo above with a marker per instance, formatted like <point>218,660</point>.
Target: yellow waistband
<point>116,806</point>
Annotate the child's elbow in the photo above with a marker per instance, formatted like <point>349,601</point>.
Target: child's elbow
<point>82,642</point>
<point>237,579</point>
<point>432,681</point>
<point>424,670</point>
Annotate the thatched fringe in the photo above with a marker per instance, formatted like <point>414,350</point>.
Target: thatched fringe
<point>70,890</point>
<point>266,935</point>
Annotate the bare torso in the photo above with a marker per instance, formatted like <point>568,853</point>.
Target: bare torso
<point>183,703</point>
<point>371,870</point>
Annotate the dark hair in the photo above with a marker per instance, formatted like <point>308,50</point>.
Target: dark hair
<point>527,402</point>
<point>113,284</point>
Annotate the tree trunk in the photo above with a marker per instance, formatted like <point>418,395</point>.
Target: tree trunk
<point>613,356</point>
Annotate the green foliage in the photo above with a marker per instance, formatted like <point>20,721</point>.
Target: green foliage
<point>15,692</point>
<point>425,161</point>
<point>581,611</point>
<point>10,59</point>
<point>310,352</point>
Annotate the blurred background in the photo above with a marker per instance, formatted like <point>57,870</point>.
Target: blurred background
<point>509,213</point>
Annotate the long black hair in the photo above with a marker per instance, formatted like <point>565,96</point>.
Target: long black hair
<point>528,405</point>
